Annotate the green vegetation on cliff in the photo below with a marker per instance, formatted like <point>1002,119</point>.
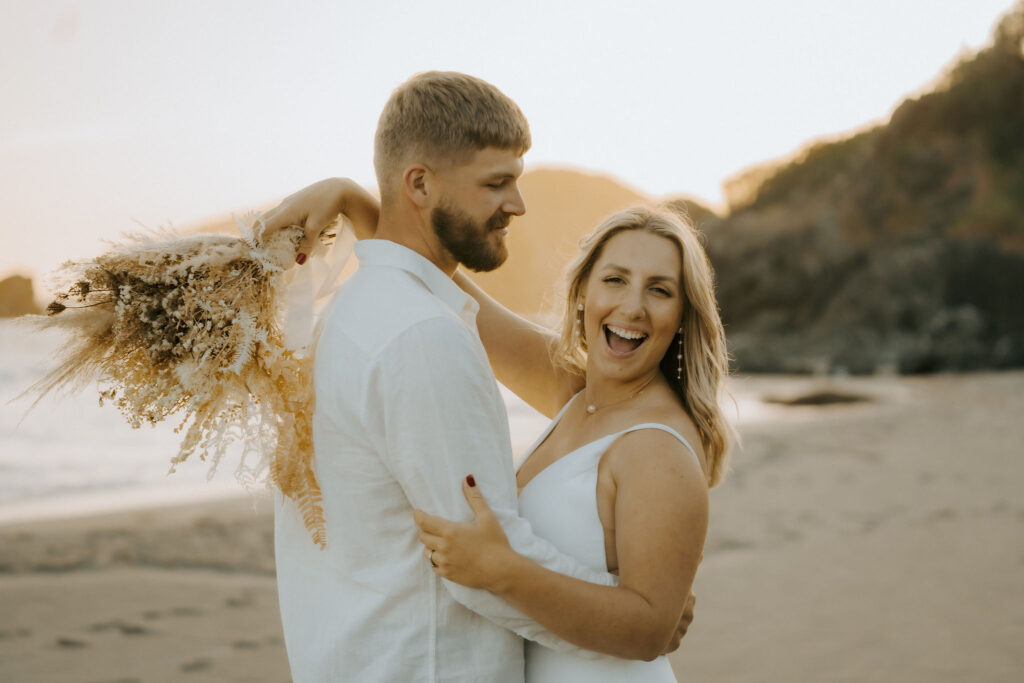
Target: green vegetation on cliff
<point>898,248</point>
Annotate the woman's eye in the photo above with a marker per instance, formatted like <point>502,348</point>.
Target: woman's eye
<point>613,279</point>
<point>661,291</point>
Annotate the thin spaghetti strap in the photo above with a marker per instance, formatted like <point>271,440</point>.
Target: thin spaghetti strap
<point>664,428</point>
<point>566,407</point>
<point>550,428</point>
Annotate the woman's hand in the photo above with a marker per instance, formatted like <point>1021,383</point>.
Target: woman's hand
<point>316,207</point>
<point>685,619</point>
<point>313,208</point>
<point>474,554</point>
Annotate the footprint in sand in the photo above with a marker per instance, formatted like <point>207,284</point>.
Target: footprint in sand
<point>729,544</point>
<point>245,645</point>
<point>808,517</point>
<point>71,643</point>
<point>133,629</point>
<point>196,665</point>
<point>125,628</point>
<point>942,514</point>
<point>154,614</point>
<point>186,612</point>
<point>240,600</point>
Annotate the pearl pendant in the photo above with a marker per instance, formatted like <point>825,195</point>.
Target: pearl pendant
<point>591,409</point>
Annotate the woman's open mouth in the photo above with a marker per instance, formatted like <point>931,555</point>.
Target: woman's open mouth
<point>622,342</point>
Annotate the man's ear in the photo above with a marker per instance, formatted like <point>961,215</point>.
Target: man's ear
<point>417,183</point>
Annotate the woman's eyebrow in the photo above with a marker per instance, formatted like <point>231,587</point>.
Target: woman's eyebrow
<point>626,271</point>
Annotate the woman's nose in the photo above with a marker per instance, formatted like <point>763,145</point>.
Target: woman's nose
<point>632,303</point>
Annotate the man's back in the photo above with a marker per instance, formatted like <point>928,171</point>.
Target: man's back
<point>400,377</point>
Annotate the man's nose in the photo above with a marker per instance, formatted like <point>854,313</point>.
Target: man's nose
<point>515,204</point>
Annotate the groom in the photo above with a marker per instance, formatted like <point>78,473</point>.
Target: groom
<point>407,406</point>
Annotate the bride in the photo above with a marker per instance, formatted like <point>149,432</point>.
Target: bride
<point>620,478</point>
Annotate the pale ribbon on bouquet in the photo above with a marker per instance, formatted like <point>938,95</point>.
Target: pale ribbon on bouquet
<point>309,287</point>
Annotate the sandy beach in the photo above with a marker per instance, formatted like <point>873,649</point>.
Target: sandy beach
<point>879,540</point>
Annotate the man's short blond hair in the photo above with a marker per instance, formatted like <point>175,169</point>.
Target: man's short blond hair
<point>440,117</point>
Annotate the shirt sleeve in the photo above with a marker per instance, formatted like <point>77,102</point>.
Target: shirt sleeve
<point>433,395</point>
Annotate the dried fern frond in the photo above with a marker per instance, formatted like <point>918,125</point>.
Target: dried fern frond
<point>172,325</point>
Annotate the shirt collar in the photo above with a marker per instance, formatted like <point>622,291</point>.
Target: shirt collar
<point>392,254</point>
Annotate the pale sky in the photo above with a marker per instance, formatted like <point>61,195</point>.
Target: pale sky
<point>123,111</point>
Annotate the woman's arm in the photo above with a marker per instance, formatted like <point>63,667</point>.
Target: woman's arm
<point>661,513</point>
<point>520,353</point>
<point>317,206</point>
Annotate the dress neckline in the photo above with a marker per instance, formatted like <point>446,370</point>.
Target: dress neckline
<point>558,418</point>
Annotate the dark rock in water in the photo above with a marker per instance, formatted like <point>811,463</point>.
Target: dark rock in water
<point>16,297</point>
<point>818,398</point>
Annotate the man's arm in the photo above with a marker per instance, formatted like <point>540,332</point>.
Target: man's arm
<point>432,395</point>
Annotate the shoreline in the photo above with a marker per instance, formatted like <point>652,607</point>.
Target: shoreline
<point>753,395</point>
<point>230,534</point>
<point>54,508</point>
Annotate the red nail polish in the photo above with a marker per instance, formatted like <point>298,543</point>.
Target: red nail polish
<point>470,480</point>
<point>300,259</point>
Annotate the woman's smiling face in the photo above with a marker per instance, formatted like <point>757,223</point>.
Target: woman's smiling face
<point>633,304</point>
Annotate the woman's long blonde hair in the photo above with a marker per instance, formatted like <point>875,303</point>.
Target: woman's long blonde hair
<point>705,358</point>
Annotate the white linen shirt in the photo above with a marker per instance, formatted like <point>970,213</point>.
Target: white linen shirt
<point>406,407</point>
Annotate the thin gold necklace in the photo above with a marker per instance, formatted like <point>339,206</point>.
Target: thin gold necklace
<point>591,408</point>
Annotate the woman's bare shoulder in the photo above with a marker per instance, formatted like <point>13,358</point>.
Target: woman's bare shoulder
<point>656,441</point>
<point>671,413</point>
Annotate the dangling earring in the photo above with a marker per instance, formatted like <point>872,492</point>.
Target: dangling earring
<point>679,358</point>
<point>578,324</point>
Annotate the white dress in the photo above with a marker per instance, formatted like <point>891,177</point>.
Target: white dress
<point>561,504</point>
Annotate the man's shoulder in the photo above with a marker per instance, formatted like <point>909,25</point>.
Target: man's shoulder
<point>376,306</point>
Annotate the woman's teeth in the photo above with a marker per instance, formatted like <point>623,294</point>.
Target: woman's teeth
<point>625,334</point>
<point>623,341</point>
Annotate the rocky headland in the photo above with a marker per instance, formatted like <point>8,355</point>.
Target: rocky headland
<point>17,297</point>
<point>900,248</point>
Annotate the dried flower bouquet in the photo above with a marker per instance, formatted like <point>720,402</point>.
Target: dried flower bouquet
<point>189,325</point>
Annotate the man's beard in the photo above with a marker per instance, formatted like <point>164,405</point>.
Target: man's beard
<point>468,242</point>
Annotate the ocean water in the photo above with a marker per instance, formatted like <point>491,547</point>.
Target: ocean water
<point>69,456</point>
